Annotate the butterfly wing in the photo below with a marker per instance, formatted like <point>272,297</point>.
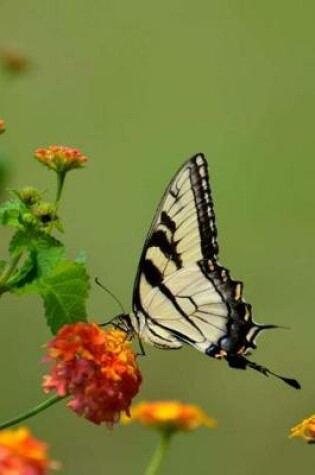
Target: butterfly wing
<point>183,230</point>
<point>202,305</point>
<point>181,293</point>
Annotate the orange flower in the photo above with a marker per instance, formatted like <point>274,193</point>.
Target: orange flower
<point>305,430</point>
<point>59,158</point>
<point>2,126</point>
<point>170,416</point>
<point>96,368</point>
<point>22,454</point>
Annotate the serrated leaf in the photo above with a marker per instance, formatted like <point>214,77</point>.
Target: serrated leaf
<point>49,252</point>
<point>19,241</point>
<point>44,254</point>
<point>25,275</point>
<point>11,212</point>
<point>64,292</point>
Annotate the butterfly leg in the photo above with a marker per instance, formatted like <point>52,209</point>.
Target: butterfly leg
<point>142,352</point>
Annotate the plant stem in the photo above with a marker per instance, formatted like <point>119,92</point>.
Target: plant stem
<point>8,271</point>
<point>159,454</point>
<point>60,183</point>
<point>32,412</point>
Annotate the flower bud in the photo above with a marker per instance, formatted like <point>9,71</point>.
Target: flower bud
<point>28,195</point>
<point>45,212</point>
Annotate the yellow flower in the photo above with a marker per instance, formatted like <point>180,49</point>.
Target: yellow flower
<point>305,430</point>
<point>170,416</point>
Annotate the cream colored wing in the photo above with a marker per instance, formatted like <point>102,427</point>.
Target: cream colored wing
<point>183,230</point>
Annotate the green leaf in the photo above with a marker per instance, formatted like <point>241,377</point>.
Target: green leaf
<point>44,253</point>
<point>4,171</point>
<point>65,291</point>
<point>25,275</point>
<point>19,241</point>
<point>11,213</point>
<point>2,266</point>
<point>49,253</point>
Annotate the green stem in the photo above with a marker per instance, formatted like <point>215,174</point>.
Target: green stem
<point>60,183</point>
<point>159,454</point>
<point>8,271</point>
<point>32,412</point>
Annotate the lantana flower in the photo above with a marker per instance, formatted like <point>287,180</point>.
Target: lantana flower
<point>305,430</point>
<point>96,368</point>
<point>2,126</point>
<point>60,159</point>
<point>171,416</point>
<point>22,454</point>
<point>168,418</point>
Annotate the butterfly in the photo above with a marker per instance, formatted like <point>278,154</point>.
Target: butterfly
<point>182,295</point>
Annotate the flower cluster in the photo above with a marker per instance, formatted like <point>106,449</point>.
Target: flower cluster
<point>2,126</point>
<point>60,158</point>
<point>96,368</point>
<point>170,416</point>
<point>305,430</point>
<point>22,454</point>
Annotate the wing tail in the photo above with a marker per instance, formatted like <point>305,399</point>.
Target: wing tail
<point>242,363</point>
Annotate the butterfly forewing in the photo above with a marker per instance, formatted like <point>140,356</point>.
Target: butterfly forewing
<point>183,230</point>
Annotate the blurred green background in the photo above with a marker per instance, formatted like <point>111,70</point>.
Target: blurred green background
<point>141,86</point>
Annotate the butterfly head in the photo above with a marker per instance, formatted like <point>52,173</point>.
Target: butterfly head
<point>123,322</point>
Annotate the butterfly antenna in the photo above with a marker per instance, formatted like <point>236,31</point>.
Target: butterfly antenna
<point>261,369</point>
<point>99,283</point>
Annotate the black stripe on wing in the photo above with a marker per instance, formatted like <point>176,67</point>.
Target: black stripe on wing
<point>204,204</point>
<point>154,277</point>
<point>241,330</point>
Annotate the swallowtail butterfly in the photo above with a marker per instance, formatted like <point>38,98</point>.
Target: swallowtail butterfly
<point>182,295</point>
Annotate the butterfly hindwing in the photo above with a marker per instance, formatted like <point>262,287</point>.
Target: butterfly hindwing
<point>203,306</point>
